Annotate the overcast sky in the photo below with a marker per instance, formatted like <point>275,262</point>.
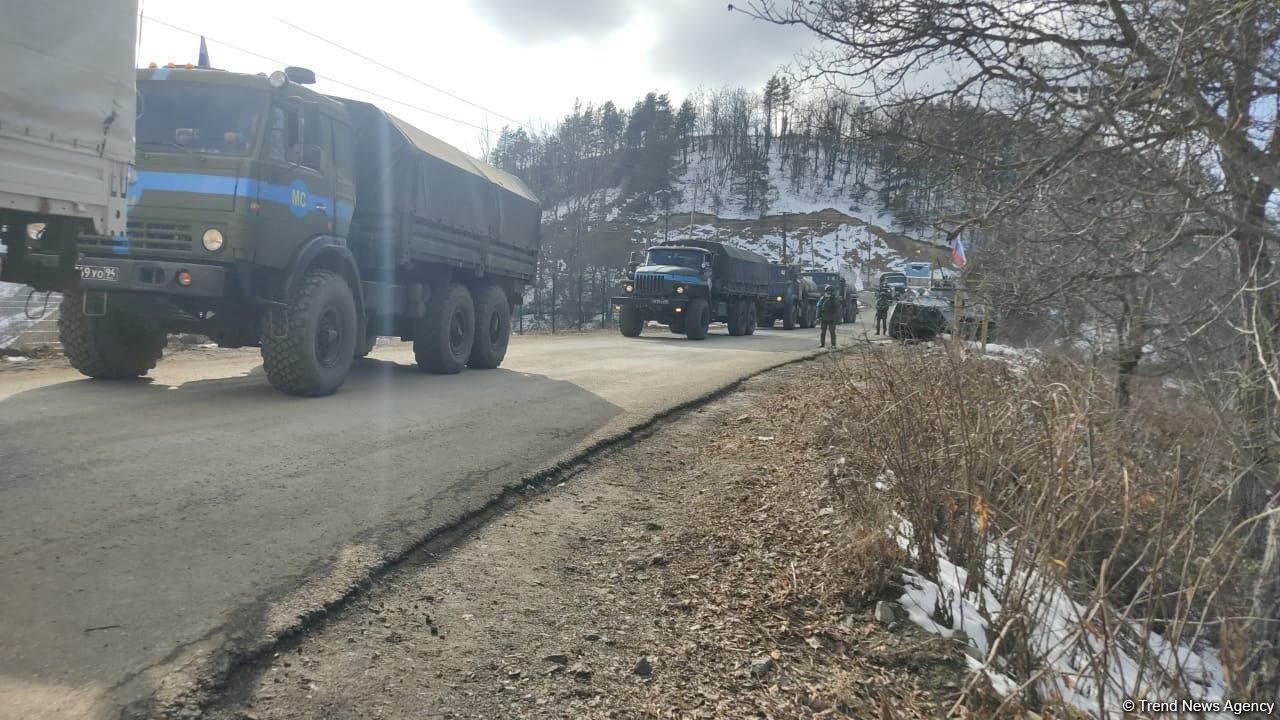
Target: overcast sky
<point>524,59</point>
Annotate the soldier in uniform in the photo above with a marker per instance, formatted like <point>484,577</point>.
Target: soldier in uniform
<point>829,313</point>
<point>883,299</point>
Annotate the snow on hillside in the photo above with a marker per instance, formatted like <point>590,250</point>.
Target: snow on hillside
<point>698,186</point>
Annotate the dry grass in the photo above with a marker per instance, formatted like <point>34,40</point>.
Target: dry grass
<point>1125,509</point>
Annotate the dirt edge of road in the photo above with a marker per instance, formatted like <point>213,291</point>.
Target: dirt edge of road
<point>698,572</point>
<point>184,686</point>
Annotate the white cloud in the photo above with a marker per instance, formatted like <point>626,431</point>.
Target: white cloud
<point>524,60</point>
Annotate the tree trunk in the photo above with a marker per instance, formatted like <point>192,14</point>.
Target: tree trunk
<point>1256,491</point>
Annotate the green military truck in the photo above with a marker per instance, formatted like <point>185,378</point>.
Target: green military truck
<point>688,284</point>
<point>793,298</point>
<point>263,213</point>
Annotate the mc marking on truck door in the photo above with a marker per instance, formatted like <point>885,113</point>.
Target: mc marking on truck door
<point>298,198</point>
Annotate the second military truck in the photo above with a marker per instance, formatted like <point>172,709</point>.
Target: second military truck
<point>793,298</point>
<point>686,285</point>
<point>266,214</point>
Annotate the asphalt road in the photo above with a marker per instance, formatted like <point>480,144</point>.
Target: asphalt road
<point>146,527</point>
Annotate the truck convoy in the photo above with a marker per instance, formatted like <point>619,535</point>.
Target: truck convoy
<point>844,290</point>
<point>66,121</point>
<point>263,213</point>
<point>688,284</point>
<point>793,298</point>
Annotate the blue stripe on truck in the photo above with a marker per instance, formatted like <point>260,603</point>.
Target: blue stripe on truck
<point>229,185</point>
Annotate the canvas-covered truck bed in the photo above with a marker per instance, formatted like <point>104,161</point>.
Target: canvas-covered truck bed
<point>419,199</point>
<point>739,270</point>
<point>67,107</point>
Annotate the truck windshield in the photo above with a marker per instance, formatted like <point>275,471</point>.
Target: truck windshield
<point>192,117</point>
<point>822,279</point>
<point>680,258</point>
<point>780,273</point>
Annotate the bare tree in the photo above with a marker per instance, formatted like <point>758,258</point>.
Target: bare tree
<point>1194,80</point>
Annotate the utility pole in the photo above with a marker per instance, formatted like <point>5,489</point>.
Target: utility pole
<point>666,202</point>
<point>784,238</point>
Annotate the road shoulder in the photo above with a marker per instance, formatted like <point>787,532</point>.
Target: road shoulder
<point>694,572</point>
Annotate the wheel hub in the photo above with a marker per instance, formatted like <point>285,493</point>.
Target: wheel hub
<point>328,338</point>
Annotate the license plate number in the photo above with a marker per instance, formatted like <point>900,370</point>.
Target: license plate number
<point>98,272</point>
<point>660,301</point>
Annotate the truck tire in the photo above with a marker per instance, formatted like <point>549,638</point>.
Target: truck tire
<point>750,327</point>
<point>677,326</point>
<point>318,345</point>
<point>737,318</point>
<point>113,346</point>
<point>630,322</point>
<point>493,328</point>
<point>791,318</point>
<point>443,339</point>
<point>699,320</point>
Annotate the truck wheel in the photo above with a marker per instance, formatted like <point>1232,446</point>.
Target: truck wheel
<point>319,339</point>
<point>677,326</point>
<point>113,346</point>
<point>791,318</point>
<point>493,328</point>
<point>750,327</point>
<point>737,318</point>
<point>443,339</point>
<point>630,322</point>
<point>699,320</point>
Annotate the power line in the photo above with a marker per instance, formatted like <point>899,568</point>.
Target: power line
<point>333,80</point>
<point>401,73</point>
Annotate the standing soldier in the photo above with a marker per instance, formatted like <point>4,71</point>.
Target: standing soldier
<point>883,299</point>
<point>829,312</point>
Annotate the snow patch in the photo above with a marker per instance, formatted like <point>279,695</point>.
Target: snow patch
<point>1076,660</point>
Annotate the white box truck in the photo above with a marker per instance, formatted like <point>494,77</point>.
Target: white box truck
<point>67,109</point>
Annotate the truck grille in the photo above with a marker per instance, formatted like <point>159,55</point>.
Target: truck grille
<point>650,284</point>
<point>164,236</point>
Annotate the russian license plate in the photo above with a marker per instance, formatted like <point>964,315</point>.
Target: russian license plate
<point>660,301</point>
<point>98,272</point>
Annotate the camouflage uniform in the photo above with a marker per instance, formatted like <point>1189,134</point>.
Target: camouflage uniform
<point>829,312</point>
<point>883,300</point>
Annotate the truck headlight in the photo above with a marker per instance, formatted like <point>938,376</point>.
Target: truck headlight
<point>779,298</point>
<point>679,289</point>
<point>628,287</point>
<point>212,240</point>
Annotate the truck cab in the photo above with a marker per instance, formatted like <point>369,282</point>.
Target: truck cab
<point>234,174</point>
<point>792,298</point>
<point>894,282</point>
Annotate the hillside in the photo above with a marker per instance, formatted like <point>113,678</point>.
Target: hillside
<point>819,224</point>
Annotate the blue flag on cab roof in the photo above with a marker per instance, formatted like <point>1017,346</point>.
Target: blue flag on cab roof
<point>204,55</point>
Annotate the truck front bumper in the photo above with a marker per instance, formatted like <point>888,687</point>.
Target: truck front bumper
<point>652,306</point>
<point>114,274</point>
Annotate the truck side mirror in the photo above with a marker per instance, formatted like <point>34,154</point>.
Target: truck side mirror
<point>635,258</point>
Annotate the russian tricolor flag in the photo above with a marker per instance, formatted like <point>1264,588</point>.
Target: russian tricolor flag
<point>957,253</point>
